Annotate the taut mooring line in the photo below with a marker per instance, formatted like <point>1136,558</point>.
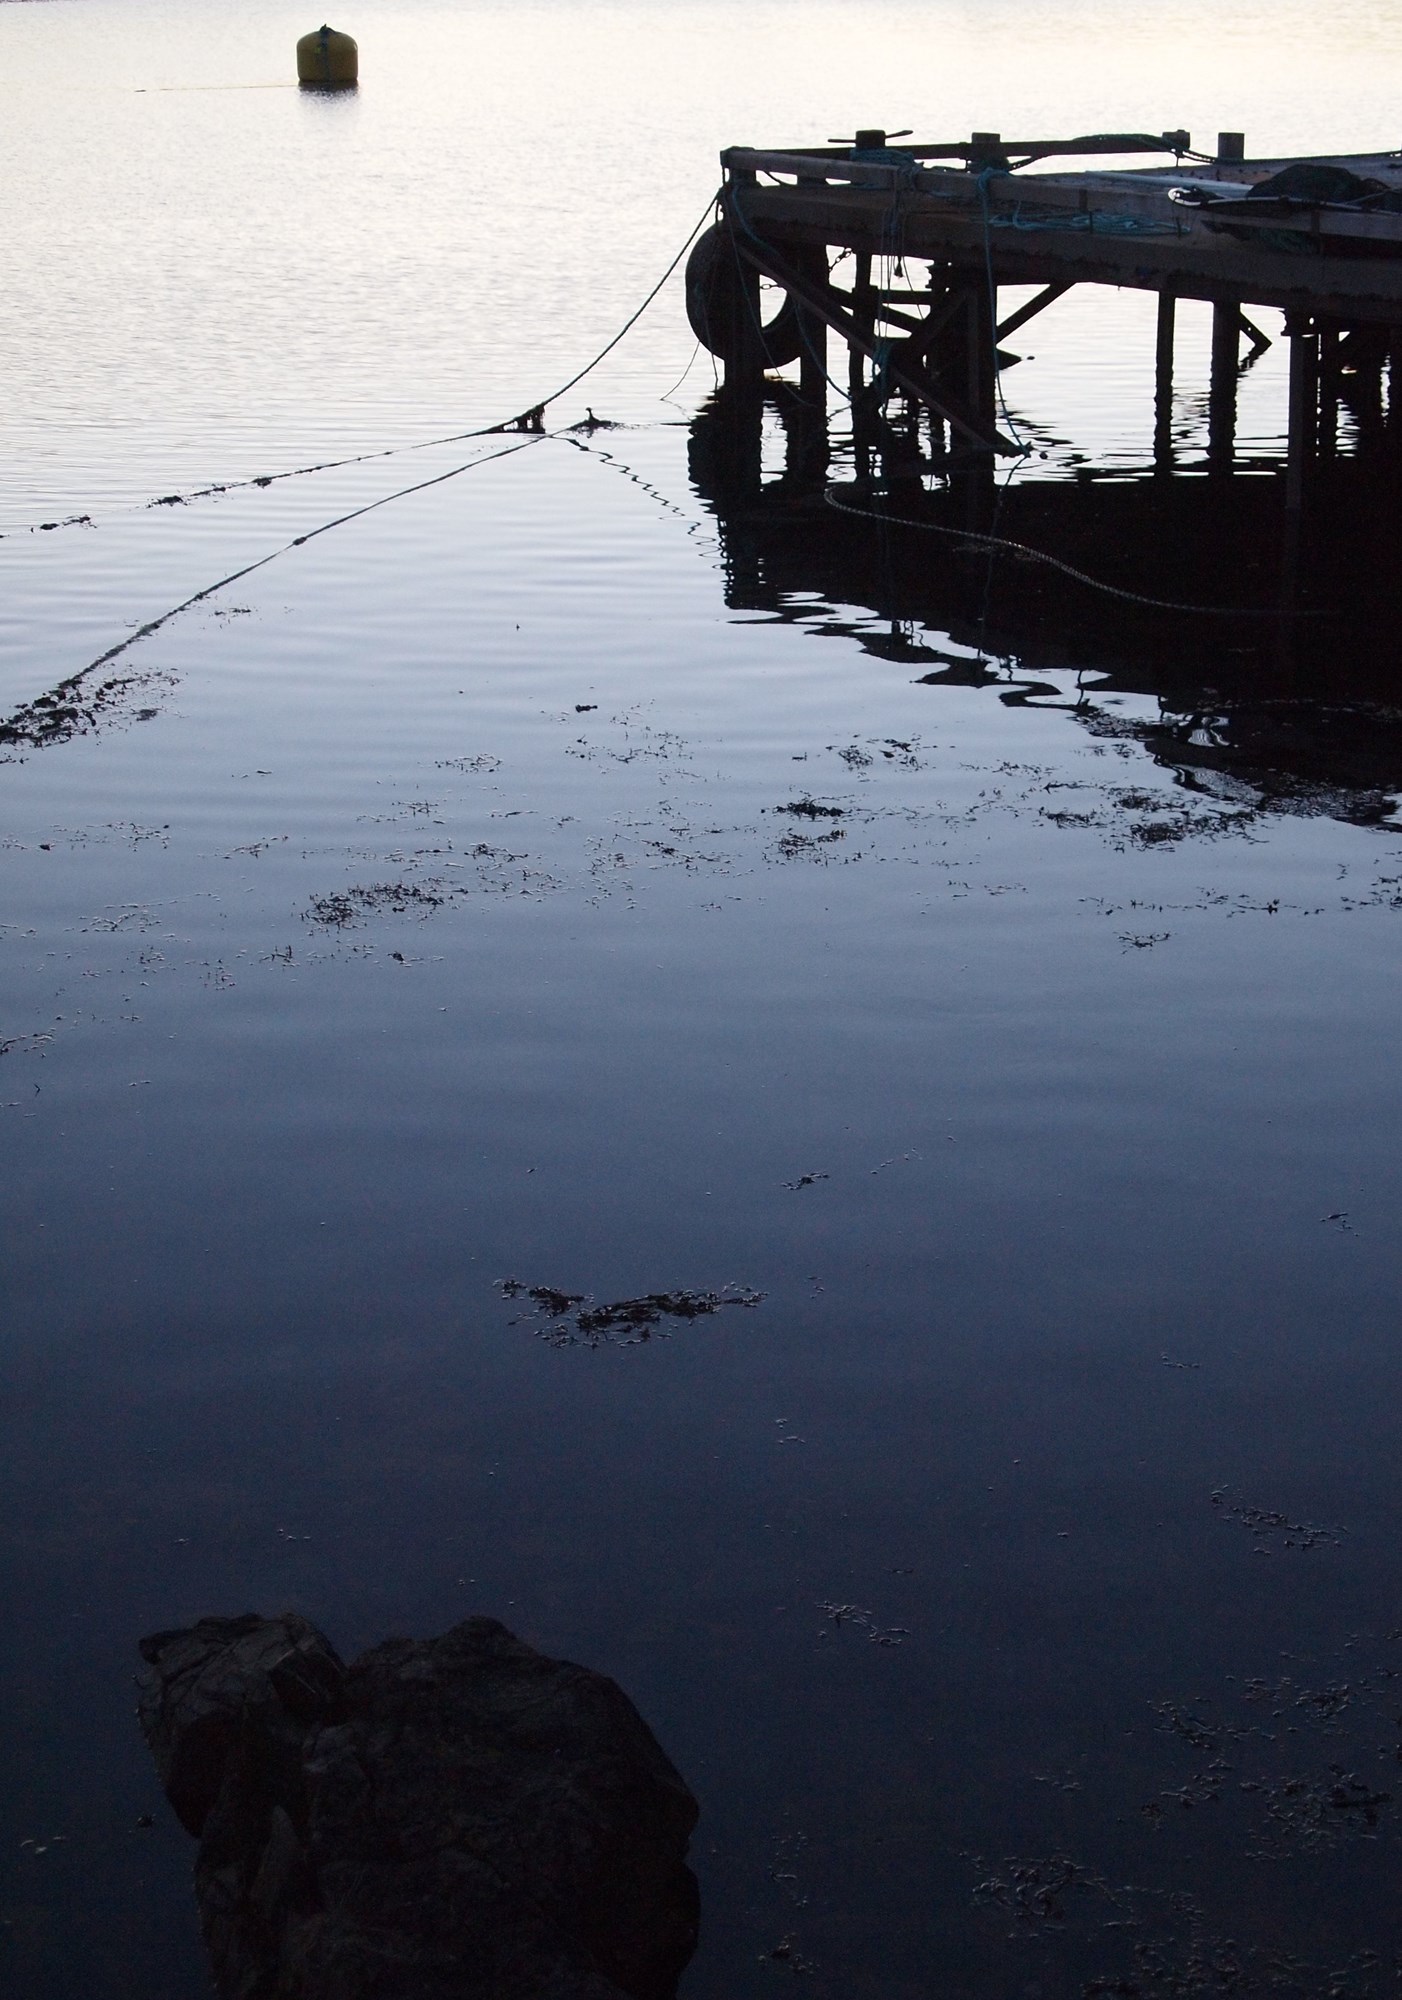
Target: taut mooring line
<point>530,419</point>
<point>37,722</point>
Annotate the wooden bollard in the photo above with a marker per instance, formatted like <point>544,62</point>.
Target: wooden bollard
<point>985,152</point>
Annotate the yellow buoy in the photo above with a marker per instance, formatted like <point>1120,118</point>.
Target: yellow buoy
<point>327,60</point>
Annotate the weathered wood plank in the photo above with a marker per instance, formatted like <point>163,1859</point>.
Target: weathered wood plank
<point>1094,226</point>
<point>1197,264</point>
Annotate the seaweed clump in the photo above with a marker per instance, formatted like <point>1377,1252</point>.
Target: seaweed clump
<point>571,1319</point>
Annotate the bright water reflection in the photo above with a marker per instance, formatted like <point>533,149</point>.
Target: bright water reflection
<point>435,910</point>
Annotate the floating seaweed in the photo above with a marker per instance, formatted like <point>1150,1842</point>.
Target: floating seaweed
<point>570,1319</point>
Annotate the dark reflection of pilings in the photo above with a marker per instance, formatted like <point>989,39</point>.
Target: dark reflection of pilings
<point>1394,390</point>
<point>1309,551</point>
<point>1330,386</point>
<point>807,448</point>
<point>724,458</point>
<point>902,457</point>
<point>739,440</point>
<point>1363,357</point>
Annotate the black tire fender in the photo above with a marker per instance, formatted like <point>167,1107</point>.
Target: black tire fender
<point>715,298</point>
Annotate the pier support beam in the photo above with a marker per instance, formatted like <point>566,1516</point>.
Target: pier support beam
<point>1304,392</point>
<point>863,426</point>
<point>1304,404</point>
<point>864,314</point>
<point>978,390</point>
<point>813,358</point>
<point>894,367</point>
<point>1163,382</point>
<point>941,441</point>
<point>1221,408</point>
<point>744,344</point>
<point>813,361</point>
<point>982,395</point>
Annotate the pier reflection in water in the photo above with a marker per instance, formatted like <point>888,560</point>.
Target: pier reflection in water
<point>1276,678</point>
<point>997,977</point>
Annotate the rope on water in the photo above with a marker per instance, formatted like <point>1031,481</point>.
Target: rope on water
<point>531,419</point>
<point>33,723</point>
<point>1066,569</point>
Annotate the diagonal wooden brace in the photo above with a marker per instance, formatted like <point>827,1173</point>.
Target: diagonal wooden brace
<point>1024,313</point>
<point>822,300</point>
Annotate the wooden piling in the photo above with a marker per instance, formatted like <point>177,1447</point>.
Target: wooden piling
<point>930,350</point>
<point>864,313</point>
<point>931,346</point>
<point>813,359</point>
<point>1304,387</point>
<point>744,369</point>
<point>983,351</point>
<point>1221,405</point>
<point>1163,381</point>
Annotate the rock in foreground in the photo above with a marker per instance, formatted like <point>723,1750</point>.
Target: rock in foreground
<point>445,1819</point>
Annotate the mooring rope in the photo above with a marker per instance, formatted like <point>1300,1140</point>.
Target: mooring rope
<point>25,723</point>
<point>530,419</point>
<point>1066,569</point>
<point>31,722</point>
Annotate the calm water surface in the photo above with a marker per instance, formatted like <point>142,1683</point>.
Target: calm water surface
<point>1016,1584</point>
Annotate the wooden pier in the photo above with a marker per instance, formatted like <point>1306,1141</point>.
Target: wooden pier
<point>934,232</point>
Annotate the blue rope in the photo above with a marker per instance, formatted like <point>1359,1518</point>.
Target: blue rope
<point>906,166</point>
<point>1094,222</point>
<point>989,174</point>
